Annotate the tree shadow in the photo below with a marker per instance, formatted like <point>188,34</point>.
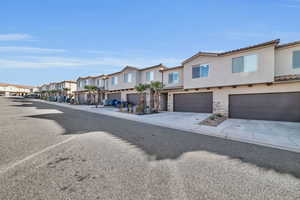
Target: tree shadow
<point>166,143</point>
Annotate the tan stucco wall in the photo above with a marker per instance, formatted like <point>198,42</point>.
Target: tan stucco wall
<point>121,84</point>
<point>221,96</point>
<point>157,75</point>
<point>220,70</point>
<point>166,78</point>
<point>284,61</point>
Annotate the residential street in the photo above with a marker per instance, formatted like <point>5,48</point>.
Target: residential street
<point>51,152</point>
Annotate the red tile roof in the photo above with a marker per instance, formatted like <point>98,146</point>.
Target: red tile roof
<point>272,42</point>
<point>288,77</point>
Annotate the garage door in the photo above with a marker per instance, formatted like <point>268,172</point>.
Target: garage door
<point>113,96</point>
<point>81,99</point>
<point>273,106</point>
<point>133,99</point>
<point>193,102</point>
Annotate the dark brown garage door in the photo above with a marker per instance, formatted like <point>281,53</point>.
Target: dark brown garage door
<point>273,106</point>
<point>193,102</point>
<point>113,96</point>
<point>133,99</point>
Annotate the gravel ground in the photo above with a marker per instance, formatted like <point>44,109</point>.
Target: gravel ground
<point>50,152</point>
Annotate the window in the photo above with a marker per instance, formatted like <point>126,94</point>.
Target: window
<point>244,64</point>
<point>114,80</point>
<point>296,59</point>
<point>87,82</point>
<point>200,71</point>
<point>127,77</point>
<point>149,76</point>
<point>173,78</point>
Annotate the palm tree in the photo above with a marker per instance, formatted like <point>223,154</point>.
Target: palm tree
<point>156,87</point>
<point>141,88</point>
<point>92,90</point>
<point>65,93</point>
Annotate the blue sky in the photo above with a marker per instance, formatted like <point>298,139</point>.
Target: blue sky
<point>53,40</point>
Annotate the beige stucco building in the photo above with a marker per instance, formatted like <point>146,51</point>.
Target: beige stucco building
<point>261,81</point>
<point>268,87</point>
<point>14,90</point>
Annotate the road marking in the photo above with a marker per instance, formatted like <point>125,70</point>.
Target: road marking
<point>2,171</point>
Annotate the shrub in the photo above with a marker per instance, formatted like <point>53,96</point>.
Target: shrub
<point>212,117</point>
<point>219,115</point>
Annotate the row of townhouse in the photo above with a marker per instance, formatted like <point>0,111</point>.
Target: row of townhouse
<point>15,90</point>
<point>61,90</point>
<point>256,82</point>
<point>120,85</point>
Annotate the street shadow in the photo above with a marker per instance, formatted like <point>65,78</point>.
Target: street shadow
<point>166,143</point>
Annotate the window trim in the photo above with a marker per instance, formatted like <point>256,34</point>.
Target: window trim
<point>114,80</point>
<point>177,80</point>
<point>294,64</point>
<point>127,81</point>
<point>201,65</point>
<point>150,76</point>
<point>256,67</point>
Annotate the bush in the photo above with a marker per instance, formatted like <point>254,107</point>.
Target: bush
<point>140,109</point>
<point>212,117</point>
<point>219,115</point>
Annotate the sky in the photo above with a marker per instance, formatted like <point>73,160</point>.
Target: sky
<point>45,41</point>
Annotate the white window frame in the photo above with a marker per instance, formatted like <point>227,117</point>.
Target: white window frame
<point>114,80</point>
<point>245,69</point>
<point>174,81</point>
<point>129,77</point>
<point>200,74</point>
<point>151,76</point>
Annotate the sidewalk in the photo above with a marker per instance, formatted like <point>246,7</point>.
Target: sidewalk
<point>281,135</point>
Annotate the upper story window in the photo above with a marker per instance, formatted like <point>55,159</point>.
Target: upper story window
<point>128,77</point>
<point>98,82</point>
<point>200,71</point>
<point>150,76</point>
<point>114,80</point>
<point>296,59</point>
<point>244,64</point>
<point>87,81</point>
<point>173,78</point>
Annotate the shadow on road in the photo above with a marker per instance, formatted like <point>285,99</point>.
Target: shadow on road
<point>166,143</point>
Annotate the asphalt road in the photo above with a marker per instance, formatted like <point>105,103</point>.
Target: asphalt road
<point>50,152</point>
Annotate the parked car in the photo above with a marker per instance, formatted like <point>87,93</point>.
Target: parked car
<point>32,96</point>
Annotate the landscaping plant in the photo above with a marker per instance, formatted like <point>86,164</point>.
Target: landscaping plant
<point>156,87</point>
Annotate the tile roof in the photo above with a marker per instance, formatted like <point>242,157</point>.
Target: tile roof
<point>288,44</point>
<point>172,68</point>
<point>14,85</point>
<point>288,77</point>
<point>272,42</point>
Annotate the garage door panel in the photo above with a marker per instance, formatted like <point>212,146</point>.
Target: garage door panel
<point>193,102</point>
<point>133,98</point>
<point>273,106</point>
<point>113,96</point>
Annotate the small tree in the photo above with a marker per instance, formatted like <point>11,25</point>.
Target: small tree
<point>141,88</point>
<point>65,93</point>
<point>100,91</point>
<point>66,90</point>
<point>92,91</point>
<point>156,87</point>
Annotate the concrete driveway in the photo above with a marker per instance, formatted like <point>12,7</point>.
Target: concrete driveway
<point>282,135</point>
<point>276,133</point>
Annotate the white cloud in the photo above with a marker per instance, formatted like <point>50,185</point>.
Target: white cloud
<point>23,49</point>
<point>63,62</point>
<point>14,37</point>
